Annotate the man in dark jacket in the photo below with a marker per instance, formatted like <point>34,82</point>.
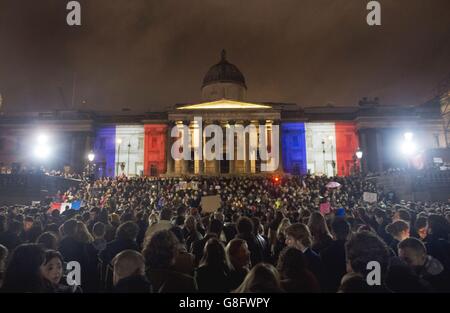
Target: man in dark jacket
<point>428,268</point>
<point>245,232</point>
<point>299,237</point>
<point>333,257</point>
<point>263,242</point>
<point>10,238</point>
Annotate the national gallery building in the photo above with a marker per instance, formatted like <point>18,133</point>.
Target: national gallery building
<point>319,140</point>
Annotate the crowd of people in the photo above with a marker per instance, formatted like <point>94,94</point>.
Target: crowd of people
<point>269,235</point>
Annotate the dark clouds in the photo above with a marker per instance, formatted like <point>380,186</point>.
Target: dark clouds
<point>147,55</point>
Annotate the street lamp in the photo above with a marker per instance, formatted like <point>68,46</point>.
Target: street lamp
<point>128,167</point>
<point>323,151</point>
<point>359,155</point>
<point>119,141</point>
<point>408,147</point>
<point>333,164</point>
<point>408,136</point>
<point>42,139</point>
<point>42,152</point>
<point>91,156</point>
<point>42,149</point>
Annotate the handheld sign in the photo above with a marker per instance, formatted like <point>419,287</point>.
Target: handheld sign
<point>325,208</point>
<point>210,204</point>
<point>370,197</point>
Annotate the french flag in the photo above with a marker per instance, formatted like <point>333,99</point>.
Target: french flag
<point>63,206</point>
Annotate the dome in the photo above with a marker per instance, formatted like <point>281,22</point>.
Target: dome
<point>224,72</point>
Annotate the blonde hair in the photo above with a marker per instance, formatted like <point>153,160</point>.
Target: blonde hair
<point>82,233</point>
<point>128,263</point>
<point>284,224</point>
<point>263,278</point>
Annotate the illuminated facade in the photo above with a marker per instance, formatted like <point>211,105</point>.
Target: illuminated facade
<point>320,140</point>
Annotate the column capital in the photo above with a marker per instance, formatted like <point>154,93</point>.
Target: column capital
<point>276,122</point>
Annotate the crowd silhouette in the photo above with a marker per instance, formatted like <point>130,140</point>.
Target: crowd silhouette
<point>269,235</point>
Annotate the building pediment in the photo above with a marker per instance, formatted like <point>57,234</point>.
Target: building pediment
<point>224,104</point>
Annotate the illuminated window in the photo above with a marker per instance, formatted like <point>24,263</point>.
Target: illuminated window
<point>141,143</point>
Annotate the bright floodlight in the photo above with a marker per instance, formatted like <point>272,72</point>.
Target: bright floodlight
<point>42,151</point>
<point>408,136</point>
<point>42,139</point>
<point>91,156</point>
<point>119,141</point>
<point>359,153</point>
<point>408,148</point>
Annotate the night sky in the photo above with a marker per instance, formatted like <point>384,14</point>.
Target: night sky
<point>147,55</point>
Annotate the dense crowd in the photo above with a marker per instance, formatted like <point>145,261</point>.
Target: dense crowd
<point>269,235</point>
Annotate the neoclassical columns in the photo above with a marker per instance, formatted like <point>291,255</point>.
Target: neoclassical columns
<point>249,141</point>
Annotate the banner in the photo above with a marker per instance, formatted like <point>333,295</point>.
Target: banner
<point>61,207</point>
<point>370,197</point>
<point>65,206</point>
<point>54,206</point>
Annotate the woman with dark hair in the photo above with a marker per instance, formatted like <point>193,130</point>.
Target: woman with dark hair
<point>52,272</point>
<point>48,241</point>
<point>295,275</point>
<point>212,273</point>
<point>319,230</point>
<point>160,254</point>
<point>239,257</point>
<point>23,273</point>
<point>399,230</point>
<point>263,278</point>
